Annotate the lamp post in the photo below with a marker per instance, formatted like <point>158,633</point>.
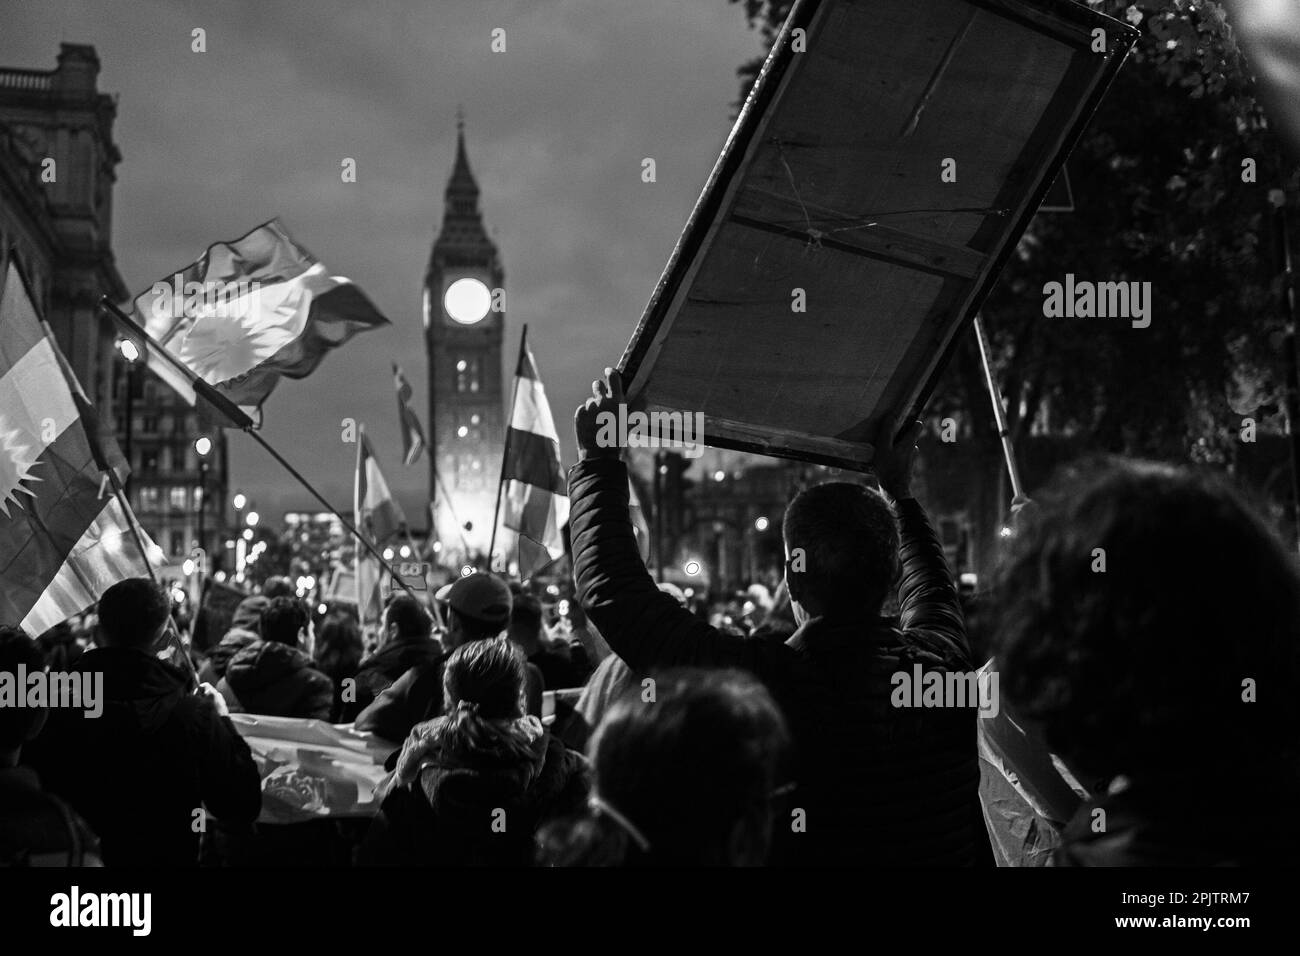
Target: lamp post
<point>131,354</point>
<point>203,445</point>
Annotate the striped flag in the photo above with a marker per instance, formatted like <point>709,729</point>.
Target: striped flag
<point>535,492</point>
<point>64,535</point>
<point>248,313</point>
<point>379,517</point>
<point>412,434</point>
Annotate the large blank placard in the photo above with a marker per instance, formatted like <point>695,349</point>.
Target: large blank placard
<point>829,196</point>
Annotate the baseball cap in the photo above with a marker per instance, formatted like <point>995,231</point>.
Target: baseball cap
<point>480,596</point>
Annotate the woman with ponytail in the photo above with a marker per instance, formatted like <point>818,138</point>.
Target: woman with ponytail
<point>473,786</point>
<point>689,775</point>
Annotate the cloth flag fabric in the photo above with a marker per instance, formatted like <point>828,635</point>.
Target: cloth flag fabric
<point>248,313</point>
<point>640,527</point>
<point>536,498</point>
<point>65,536</point>
<point>413,441</point>
<point>379,517</point>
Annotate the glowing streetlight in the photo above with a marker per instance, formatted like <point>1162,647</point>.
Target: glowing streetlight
<point>719,475</point>
<point>248,534</point>
<point>692,568</point>
<point>388,554</point>
<point>129,350</point>
<point>466,571</point>
<point>761,523</point>
<point>405,551</point>
<point>252,518</point>
<point>240,500</point>
<point>203,445</point>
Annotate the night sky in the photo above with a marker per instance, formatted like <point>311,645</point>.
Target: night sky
<point>556,127</point>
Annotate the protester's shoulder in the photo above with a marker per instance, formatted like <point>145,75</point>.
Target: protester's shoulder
<point>933,648</point>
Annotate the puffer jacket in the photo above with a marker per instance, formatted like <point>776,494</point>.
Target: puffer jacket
<point>234,641</point>
<point>879,785</point>
<point>480,808</point>
<point>267,677</point>
<point>380,670</point>
<point>139,771</point>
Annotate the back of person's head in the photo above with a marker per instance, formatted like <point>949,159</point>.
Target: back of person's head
<point>526,618</point>
<point>471,628</point>
<point>684,779</point>
<point>1134,606</point>
<point>277,586</point>
<point>132,613</point>
<point>847,536</point>
<point>483,700</point>
<point>283,621</point>
<point>409,617</point>
<point>19,724</point>
<point>339,647</point>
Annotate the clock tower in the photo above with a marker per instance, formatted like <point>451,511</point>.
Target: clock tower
<point>464,323</point>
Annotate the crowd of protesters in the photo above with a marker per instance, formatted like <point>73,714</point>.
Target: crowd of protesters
<point>1145,628</point>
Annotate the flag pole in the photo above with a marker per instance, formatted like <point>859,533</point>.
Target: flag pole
<point>240,419</point>
<point>329,507</point>
<point>505,450</point>
<point>173,632</point>
<point>1018,496</point>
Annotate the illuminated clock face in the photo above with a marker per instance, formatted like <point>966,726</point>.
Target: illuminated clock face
<point>467,301</point>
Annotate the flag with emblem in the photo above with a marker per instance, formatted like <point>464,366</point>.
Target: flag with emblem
<point>412,434</point>
<point>65,537</point>
<point>533,487</point>
<point>248,313</point>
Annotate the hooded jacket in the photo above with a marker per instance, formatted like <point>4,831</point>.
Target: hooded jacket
<point>138,772</point>
<point>234,641</point>
<point>452,807</point>
<point>879,785</point>
<point>267,677</point>
<point>381,669</point>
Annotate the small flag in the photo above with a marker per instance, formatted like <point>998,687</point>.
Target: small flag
<point>536,494</point>
<point>412,434</point>
<point>248,313</point>
<point>65,537</point>
<point>379,517</point>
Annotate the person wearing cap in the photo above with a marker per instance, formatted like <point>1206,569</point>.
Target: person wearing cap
<point>477,607</point>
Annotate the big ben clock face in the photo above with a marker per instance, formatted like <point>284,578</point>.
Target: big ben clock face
<point>467,301</point>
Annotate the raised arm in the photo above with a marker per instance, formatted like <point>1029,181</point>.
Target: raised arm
<point>926,594</point>
<point>644,626</point>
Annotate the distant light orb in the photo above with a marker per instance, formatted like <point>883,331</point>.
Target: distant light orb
<point>466,571</point>
<point>719,476</point>
<point>240,501</point>
<point>321,608</point>
<point>761,524</point>
<point>130,351</point>
<point>692,568</point>
<point>388,554</point>
<point>187,567</point>
<point>405,551</point>
<point>462,431</point>
<point>467,300</point>
<point>203,445</point>
<point>1005,532</point>
<point>252,519</point>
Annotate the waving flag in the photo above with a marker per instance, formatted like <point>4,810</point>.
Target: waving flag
<point>64,536</point>
<point>249,313</point>
<point>536,494</point>
<point>379,517</point>
<point>412,434</point>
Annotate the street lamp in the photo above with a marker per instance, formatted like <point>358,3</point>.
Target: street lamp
<point>252,518</point>
<point>240,500</point>
<point>203,445</point>
<point>131,353</point>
